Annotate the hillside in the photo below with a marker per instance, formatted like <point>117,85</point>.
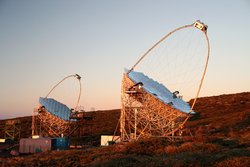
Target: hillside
<point>225,116</point>
<point>217,135</point>
<point>102,122</point>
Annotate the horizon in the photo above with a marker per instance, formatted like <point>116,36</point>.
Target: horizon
<point>42,42</point>
<point>99,110</point>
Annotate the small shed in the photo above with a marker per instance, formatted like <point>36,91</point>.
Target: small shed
<point>29,145</point>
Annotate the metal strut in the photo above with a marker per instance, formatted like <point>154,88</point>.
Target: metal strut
<point>78,77</point>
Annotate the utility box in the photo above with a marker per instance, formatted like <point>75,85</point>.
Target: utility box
<point>29,145</point>
<point>60,143</point>
<point>108,140</point>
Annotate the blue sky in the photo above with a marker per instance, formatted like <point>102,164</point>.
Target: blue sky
<point>43,41</point>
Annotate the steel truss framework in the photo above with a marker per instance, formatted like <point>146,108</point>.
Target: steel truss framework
<point>12,129</point>
<point>47,125</point>
<point>143,115</point>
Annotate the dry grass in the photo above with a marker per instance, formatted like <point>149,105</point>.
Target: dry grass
<point>234,162</point>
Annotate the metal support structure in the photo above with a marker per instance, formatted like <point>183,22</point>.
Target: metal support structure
<point>143,115</point>
<point>48,125</point>
<point>78,77</point>
<point>12,129</point>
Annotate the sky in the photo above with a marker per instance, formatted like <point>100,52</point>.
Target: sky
<point>42,42</point>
